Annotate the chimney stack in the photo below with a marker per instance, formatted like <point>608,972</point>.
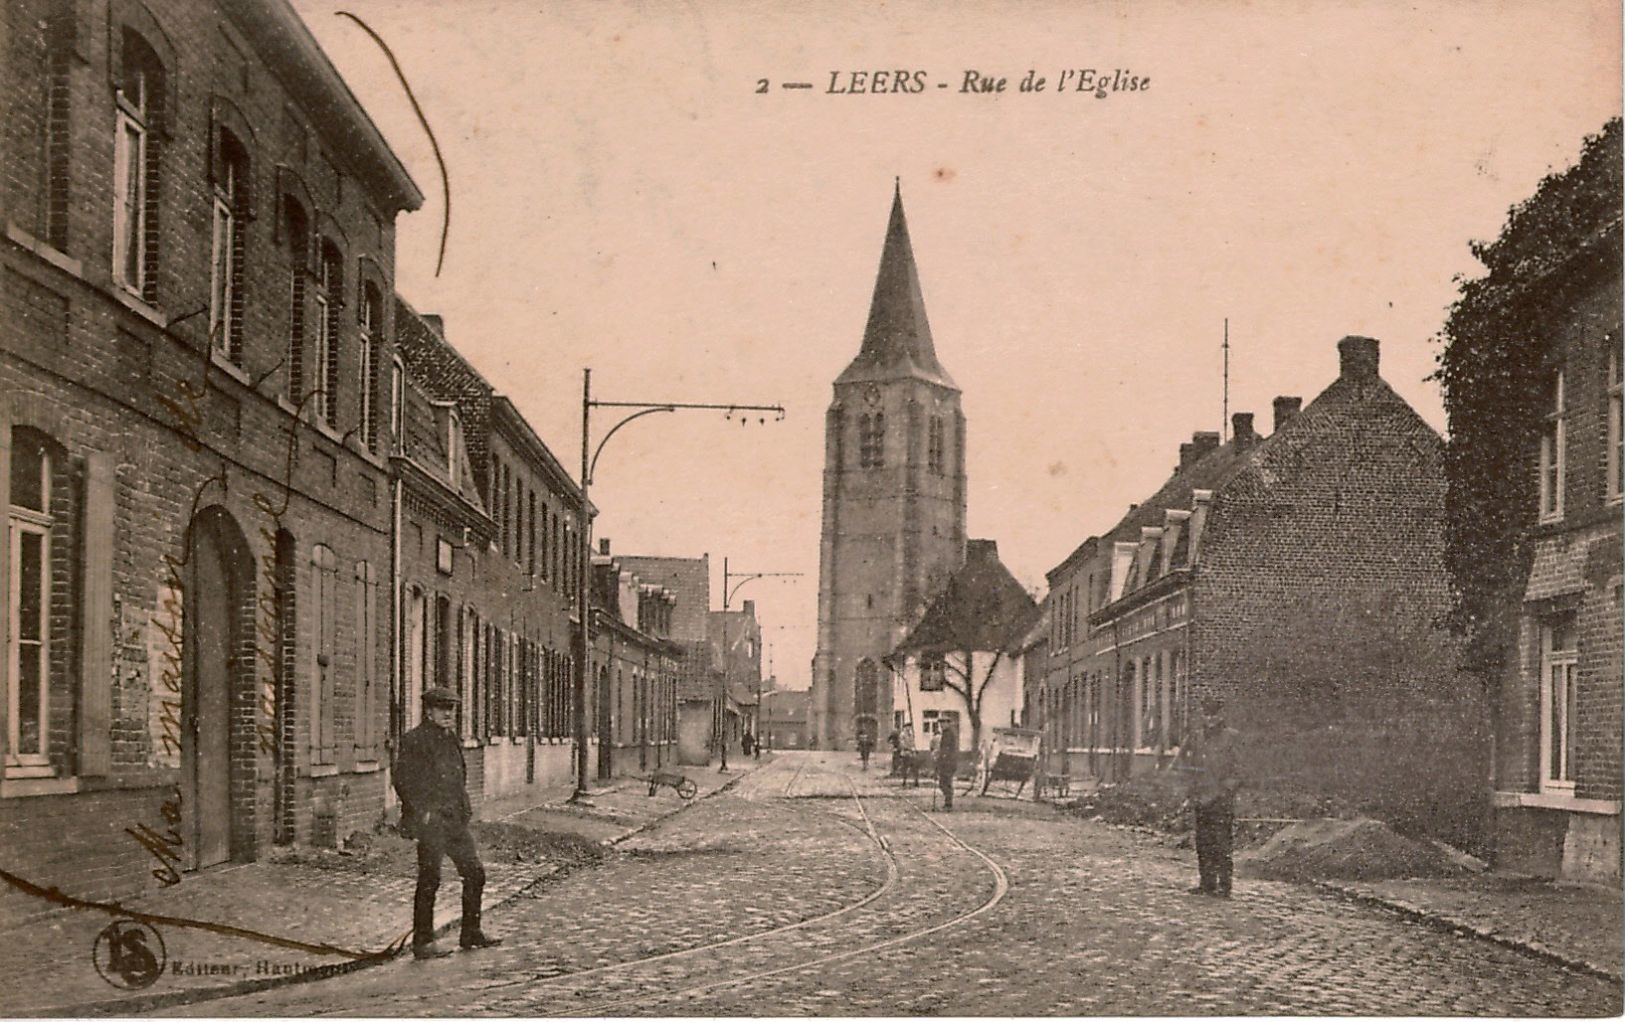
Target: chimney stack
<point>1285,409</point>
<point>436,322</point>
<point>1203,443</point>
<point>603,545</point>
<point>1357,358</point>
<point>1241,430</point>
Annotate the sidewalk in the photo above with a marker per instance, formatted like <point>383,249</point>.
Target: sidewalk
<point>302,914</point>
<point>1576,925</point>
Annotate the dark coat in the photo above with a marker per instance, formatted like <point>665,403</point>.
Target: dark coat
<point>430,777</point>
<point>948,751</point>
<point>1215,771</point>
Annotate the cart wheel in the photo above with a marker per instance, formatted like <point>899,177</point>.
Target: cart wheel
<point>687,790</point>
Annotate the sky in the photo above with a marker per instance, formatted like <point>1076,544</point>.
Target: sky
<point>634,191</point>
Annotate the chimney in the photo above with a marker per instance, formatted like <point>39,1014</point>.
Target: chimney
<point>603,546</point>
<point>1357,358</point>
<point>1285,409</point>
<point>1202,444</point>
<point>436,322</point>
<point>1241,430</point>
<point>749,608</point>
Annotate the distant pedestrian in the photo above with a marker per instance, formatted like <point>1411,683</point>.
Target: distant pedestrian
<point>947,762</point>
<point>866,745</point>
<point>431,780</point>
<point>747,743</point>
<point>908,755</point>
<point>896,766</point>
<point>1214,779</point>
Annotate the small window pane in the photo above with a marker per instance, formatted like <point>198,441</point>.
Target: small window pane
<point>31,577</point>
<point>30,471</point>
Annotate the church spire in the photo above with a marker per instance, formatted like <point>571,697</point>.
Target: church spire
<point>897,339</point>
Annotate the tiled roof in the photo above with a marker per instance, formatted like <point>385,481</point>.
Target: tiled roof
<point>897,339</point>
<point>982,607</point>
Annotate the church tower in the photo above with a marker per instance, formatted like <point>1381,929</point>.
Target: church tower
<point>894,500</point>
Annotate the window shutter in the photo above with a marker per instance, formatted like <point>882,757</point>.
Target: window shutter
<point>96,617</point>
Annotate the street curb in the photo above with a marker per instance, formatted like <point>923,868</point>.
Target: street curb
<point>1445,923</point>
<point>151,1002</point>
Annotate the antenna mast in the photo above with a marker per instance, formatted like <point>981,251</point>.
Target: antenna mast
<point>1224,422</point>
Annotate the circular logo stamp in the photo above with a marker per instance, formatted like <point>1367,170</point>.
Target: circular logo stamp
<point>128,954</point>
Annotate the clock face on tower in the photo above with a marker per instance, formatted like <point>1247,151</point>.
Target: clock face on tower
<point>871,395</point>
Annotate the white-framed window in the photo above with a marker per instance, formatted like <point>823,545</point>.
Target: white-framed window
<point>325,355</point>
<point>225,270</point>
<point>366,681</point>
<point>1553,444</point>
<point>1616,426</point>
<point>28,702</point>
<point>1559,664</point>
<point>324,667</point>
<point>130,182</point>
<point>372,325</point>
<point>397,401</point>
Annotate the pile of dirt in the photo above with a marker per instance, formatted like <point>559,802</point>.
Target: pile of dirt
<point>1156,805</point>
<point>1357,849</point>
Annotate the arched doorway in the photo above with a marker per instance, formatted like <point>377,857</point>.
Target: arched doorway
<point>219,587</point>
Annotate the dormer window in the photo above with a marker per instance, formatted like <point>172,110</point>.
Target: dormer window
<point>454,446</point>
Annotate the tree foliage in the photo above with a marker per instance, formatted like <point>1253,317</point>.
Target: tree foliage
<point>1499,347</point>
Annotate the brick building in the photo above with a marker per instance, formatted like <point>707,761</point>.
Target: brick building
<point>487,550</point>
<point>198,248</point>
<point>735,657</point>
<point>784,719</point>
<point>1299,577</point>
<point>635,666</point>
<point>1532,376</point>
<point>894,496</point>
<point>688,579</point>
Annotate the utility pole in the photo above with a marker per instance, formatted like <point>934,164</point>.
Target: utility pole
<point>1224,418</point>
<point>639,409</point>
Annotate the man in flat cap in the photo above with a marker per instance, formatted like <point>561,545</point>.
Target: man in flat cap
<point>430,779</point>
<point>1214,778</point>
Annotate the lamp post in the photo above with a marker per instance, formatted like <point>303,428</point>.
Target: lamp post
<point>583,671</point>
<point>729,588</point>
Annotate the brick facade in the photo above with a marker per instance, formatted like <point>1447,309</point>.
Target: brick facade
<point>1299,577</point>
<point>212,531</point>
<point>1557,787</point>
<point>487,557</point>
<point>636,666</point>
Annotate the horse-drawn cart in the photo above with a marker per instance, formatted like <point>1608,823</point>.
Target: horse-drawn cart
<point>1008,756</point>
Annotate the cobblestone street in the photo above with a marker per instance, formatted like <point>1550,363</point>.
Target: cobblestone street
<point>812,888</point>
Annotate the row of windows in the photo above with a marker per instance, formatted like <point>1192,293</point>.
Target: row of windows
<point>537,537</point>
<point>872,443</point>
<point>318,363</point>
<point>1154,687</point>
<point>510,684</point>
<point>1552,459</point>
<point>653,711</point>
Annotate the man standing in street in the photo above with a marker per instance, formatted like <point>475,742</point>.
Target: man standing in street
<point>431,780</point>
<point>1214,779</point>
<point>947,763</point>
